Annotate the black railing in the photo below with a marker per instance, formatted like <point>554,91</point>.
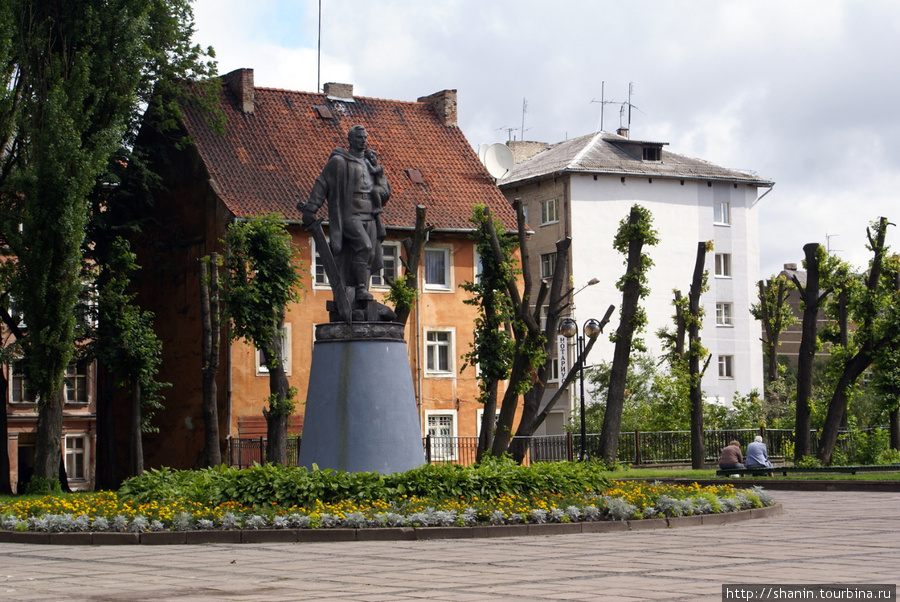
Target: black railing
<point>637,448</point>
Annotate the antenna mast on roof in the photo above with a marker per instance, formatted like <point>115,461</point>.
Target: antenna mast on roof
<point>319,55</point>
<point>602,102</point>
<point>524,110</point>
<point>828,238</point>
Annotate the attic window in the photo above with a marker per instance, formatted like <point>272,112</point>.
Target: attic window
<point>415,176</point>
<point>324,112</point>
<point>652,153</point>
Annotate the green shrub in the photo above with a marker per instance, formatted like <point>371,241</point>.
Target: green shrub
<point>809,462</point>
<point>42,486</point>
<point>288,486</point>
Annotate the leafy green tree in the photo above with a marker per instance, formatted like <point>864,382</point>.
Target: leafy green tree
<point>77,76</point>
<point>872,307</point>
<point>635,231</point>
<point>129,348</point>
<point>775,314</point>
<point>263,276</point>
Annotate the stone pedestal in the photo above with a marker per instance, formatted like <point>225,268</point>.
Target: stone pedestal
<point>360,407</point>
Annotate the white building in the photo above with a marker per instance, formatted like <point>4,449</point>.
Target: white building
<point>583,188</point>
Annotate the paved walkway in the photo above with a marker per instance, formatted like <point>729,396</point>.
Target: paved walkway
<point>822,537</point>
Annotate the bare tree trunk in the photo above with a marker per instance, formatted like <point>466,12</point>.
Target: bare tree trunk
<point>698,449</point>
<point>5,484</point>
<point>488,418</point>
<point>107,472</point>
<point>894,422</point>
<point>615,397</point>
<point>811,302</point>
<point>137,438</point>
<point>280,406</point>
<point>413,247</point>
<point>210,341</point>
<point>837,406</point>
<point>49,436</point>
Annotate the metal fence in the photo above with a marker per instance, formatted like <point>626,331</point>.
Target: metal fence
<point>637,448</point>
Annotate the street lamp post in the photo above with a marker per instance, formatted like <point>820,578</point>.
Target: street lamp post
<point>568,327</point>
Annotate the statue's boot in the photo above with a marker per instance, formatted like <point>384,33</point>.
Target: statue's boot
<point>361,275</point>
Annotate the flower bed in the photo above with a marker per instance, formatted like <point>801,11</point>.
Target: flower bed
<point>621,500</point>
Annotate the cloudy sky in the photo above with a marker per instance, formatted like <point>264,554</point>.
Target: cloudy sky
<point>802,92</point>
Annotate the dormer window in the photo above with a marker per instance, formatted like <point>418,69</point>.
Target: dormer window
<point>652,153</point>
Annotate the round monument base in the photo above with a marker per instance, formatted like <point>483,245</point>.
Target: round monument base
<point>360,406</point>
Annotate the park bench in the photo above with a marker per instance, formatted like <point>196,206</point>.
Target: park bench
<point>784,470</point>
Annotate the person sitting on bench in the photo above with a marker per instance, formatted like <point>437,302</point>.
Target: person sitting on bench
<point>731,456</point>
<point>757,455</point>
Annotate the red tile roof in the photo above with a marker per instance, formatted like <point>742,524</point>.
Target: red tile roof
<point>269,159</point>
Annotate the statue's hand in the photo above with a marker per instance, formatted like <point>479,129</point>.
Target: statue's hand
<point>309,215</point>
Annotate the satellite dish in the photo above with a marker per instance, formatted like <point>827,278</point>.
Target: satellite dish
<point>482,148</point>
<point>498,159</point>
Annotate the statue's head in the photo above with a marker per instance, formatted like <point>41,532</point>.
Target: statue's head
<point>358,138</point>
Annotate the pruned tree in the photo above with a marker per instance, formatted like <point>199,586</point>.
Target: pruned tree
<point>635,231</point>
<point>811,299</point>
<point>263,276</point>
<point>685,351</point>
<point>211,335</point>
<point>493,348</point>
<point>529,369</point>
<point>405,289</point>
<point>869,308</point>
<point>775,315</point>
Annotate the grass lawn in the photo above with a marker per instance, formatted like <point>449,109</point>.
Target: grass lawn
<point>681,473</point>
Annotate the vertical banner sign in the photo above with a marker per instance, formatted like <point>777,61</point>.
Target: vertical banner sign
<point>562,353</point>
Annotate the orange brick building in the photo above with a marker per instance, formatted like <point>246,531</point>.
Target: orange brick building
<point>275,144</point>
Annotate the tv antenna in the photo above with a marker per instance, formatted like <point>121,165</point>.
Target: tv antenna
<point>602,102</point>
<point>828,238</point>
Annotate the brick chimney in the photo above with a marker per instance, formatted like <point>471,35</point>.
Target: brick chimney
<point>444,104</point>
<point>342,91</point>
<point>623,132</point>
<point>240,82</point>
<point>523,150</point>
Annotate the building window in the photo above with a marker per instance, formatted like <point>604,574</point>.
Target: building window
<point>262,369</point>
<point>723,265</point>
<point>76,457</point>
<point>479,420</point>
<point>726,366</point>
<point>21,391</point>
<point>549,212</point>
<point>525,212</point>
<point>390,253</point>
<point>441,428</point>
<point>437,269</point>
<point>548,265</point>
<point>439,352</point>
<point>554,371</point>
<point>320,278</point>
<point>724,314</point>
<point>76,382</point>
<point>652,153</point>
<point>722,213</point>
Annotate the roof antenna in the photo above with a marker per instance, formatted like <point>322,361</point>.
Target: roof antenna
<point>602,102</point>
<point>319,55</point>
<point>828,238</point>
<point>524,110</point>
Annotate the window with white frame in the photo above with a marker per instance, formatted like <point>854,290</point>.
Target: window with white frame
<point>262,369</point>
<point>439,352</point>
<point>76,382</point>
<point>553,377</point>
<point>441,428</point>
<point>724,314</point>
<point>544,311</point>
<point>479,420</point>
<point>390,254</point>
<point>20,390</point>
<point>548,265</point>
<point>76,457</point>
<point>722,213</point>
<point>723,265</point>
<point>479,265</point>
<point>320,278</point>
<point>549,212</point>
<point>726,366</point>
<point>437,268</point>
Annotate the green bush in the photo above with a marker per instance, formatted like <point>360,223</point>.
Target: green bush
<point>288,486</point>
<point>809,462</point>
